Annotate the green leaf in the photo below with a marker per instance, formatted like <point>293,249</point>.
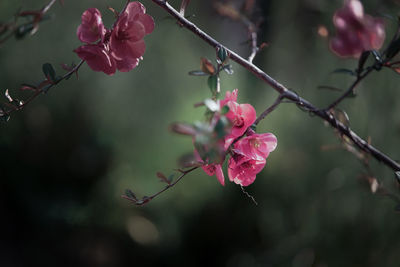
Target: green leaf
<point>224,110</point>
<point>130,194</point>
<point>171,178</point>
<point>197,73</point>
<point>49,71</point>
<point>213,84</point>
<point>23,30</point>
<point>221,127</point>
<point>222,54</point>
<point>344,71</point>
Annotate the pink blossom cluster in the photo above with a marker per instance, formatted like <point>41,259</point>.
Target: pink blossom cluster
<point>249,153</point>
<point>119,48</point>
<point>356,32</point>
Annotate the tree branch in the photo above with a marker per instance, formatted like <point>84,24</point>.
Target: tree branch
<point>281,89</point>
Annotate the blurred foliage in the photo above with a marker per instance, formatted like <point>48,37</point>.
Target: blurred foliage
<point>68,156</point>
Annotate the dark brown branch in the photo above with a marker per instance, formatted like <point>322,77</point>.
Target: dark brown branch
<point>303,103</point>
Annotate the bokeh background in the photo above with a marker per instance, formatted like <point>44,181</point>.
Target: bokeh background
<point>66,159</point>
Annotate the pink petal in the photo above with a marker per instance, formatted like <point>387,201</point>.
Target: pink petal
<point>220,174</point>
<point>147,22</point>
<point>97,58</point>
<point>123,49</point>
<point>134,8</point>
<point>127,64</point>
<point>244,172</point>
<point>229,97</point>
<point>246,114</point>
<point>135,31</point>
<point>269,140</point>
<point>91,28</point>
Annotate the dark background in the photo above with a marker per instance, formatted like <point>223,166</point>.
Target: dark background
<point>68,156</point>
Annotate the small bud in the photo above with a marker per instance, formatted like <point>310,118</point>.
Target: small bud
<point>183,128</point>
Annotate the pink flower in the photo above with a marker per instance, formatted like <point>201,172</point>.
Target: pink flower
<point>215,169</point>
<point>211,169</point>
<point>92,28</point>
<point>241,116</point>
<point>256,146</point>
<point>229,97</point>
<point>126,40</point>
<point>355,31</point>
<point>122,47</point>
<point>98,58</point>
<point>242,170</point>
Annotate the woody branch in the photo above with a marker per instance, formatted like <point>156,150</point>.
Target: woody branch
<point>282,90</point>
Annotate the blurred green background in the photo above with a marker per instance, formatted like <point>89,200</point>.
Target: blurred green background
<point>68,156</point>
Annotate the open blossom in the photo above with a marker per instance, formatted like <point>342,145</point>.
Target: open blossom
<point>356,32</point>
<point>120,48</point>
<point>248,154</point>
<point>249,157</point>
<point>242,170</point>
<point>256,146</point>
<point>241,116</point>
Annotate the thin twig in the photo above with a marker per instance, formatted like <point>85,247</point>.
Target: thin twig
<point>350,90</point>
<point>39,91</point>
<point>146,199</point>
<point>270,109</point>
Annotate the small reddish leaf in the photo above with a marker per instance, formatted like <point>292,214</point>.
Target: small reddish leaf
<point>163,178</point>
<point>207,66</point>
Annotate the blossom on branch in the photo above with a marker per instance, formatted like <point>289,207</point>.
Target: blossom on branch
<point>242,170</point>
<point>249,157</point>
<point>119,48</point>
<point>248,153</point>
<point>242,116</point>
<point>356,32</point>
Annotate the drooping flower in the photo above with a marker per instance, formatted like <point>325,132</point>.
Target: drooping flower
<point>356,32</point>
<point>120,48</point>
<point>242,170</point>
<point>92,28</point>
<point>256,146</point>
<point>126,40</point>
